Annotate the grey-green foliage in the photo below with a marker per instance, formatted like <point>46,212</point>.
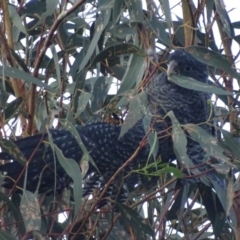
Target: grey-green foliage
<point>102,45</point>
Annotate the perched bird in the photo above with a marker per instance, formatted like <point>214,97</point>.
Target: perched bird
<point>108,151</point>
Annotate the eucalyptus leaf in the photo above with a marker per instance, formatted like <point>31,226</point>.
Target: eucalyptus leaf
<point>133,218</point>
<point>73,170</point>
<point>16,20</point>
<point>136,112</point>
<point>190,83</point>
<point>213,59</point>
<point>18,74</point>
<point>30,211</point>
<point>101,24</point>
<point>179,142</point>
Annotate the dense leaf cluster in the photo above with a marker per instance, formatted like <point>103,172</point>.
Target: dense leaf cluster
<point>74,62</point>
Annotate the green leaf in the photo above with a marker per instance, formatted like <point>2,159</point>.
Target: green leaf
<point>151,136</point>
<point>6,236</point>
<point>159,28</point>
<point>79,78</point>
<point>56,62</point>
<point>83,100</point>
<point>20,61</point>
<point>99,94</point>
<point>134,219</point>
<point>33,7</point>
<point>237,39</point>
<point>117,8</point>
<point>136,112</point>
<point>214,209</point>
<point>133,74</point>
<point>179,142</point>
<point>75,133</point>
<point>13,150</point>
<point>137,12</point>
<point>12,109</point>
<point>222,13</point>
<point>184,198</point>
<point>190,83</point>
<point>236,25</point>
<point>30,211</point>
<point>14,211</point>
<point>16,20</point>
<point>166,10</point>
<point>179,34</point>
<point>100,26</point>
<point>213,59</point>
<point>154,145</point>
<point>209,6</point>
<point>209,143</point>
<point>73,170</point>
<point>117,49</point>
<point>175,208</point>
<point>51,6</point>
<point>225,199</point>
<point>18,74</point>
<point>231,143</point>
<point>105,4</point>
<point>175,171</point>
<point>121,31</point>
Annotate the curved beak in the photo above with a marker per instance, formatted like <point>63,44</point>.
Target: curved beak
<point>172,68</point>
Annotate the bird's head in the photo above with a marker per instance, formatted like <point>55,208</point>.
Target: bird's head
<point>181,62</point>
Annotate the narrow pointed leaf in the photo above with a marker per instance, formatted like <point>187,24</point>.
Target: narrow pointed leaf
<point>190,83</point>
<point>30,211</point>
<point>18,74</point>
<point>213,59</point>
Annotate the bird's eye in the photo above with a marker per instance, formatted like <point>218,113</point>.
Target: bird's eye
<point>187,68</point>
